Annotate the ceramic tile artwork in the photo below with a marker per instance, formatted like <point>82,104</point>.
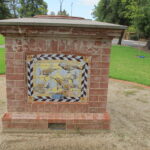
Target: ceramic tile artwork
<point>57,77</point>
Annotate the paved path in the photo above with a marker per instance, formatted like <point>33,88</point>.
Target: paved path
<point>130,43</point>
<point>2,46</point>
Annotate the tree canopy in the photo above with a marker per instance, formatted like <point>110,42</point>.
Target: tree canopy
<point>22,8</point>
<point>139,13</point>
<point>30,8</point>
<point>64,13</point>
<point>135,13</point>
<point>4,10</point>
<point>13,7</point>
<point>113,11</point>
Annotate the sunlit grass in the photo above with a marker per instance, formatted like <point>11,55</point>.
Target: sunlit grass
<point>2,40</point>
<point>126,65</point>
<point>2,61</point>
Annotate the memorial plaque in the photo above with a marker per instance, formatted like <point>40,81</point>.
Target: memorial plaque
<point>57,77</point>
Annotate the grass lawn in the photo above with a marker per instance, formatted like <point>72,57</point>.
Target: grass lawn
<point>125,65</point>
<point>2,60</point>
<point>2,40</point>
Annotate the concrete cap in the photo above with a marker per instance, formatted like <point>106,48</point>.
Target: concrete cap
<point>63,21</point>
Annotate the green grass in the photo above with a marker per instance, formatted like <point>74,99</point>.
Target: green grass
<point>125,65</point>
<point>2,60</point>
<point>2,40</point>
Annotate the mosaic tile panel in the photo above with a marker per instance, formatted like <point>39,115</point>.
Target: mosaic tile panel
<point>57,77</point>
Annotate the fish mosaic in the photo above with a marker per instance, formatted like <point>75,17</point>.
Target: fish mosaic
<point>57,77</point>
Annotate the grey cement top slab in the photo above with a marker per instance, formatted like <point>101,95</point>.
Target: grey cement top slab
<point>59,22</point>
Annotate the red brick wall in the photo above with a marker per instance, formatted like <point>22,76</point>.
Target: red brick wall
<point>92,42</point>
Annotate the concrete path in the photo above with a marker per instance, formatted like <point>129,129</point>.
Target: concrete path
<point>130,43</point>
<point>2,46</point>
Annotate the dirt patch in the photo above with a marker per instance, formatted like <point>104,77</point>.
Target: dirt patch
<point>130,126</point>
<point>2,95</point>
<point>2,87</point>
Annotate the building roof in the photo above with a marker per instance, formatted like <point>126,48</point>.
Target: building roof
<point>59,21</point>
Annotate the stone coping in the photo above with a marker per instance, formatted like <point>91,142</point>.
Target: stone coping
<point>60,22</point>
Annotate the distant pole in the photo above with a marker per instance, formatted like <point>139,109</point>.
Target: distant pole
<point>71,8</point>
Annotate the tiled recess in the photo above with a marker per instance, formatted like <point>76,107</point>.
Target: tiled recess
<point>57,78</point>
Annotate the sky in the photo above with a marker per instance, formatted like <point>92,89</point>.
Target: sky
<point>80,8</point>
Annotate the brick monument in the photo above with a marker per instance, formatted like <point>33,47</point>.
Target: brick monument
<point>57,72</point>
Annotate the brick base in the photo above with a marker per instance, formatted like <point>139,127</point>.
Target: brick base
<point>43,120</point>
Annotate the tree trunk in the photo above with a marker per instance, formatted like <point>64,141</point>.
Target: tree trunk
<point>120,38</point>
<point>61,3</point>
<point>148,45</point>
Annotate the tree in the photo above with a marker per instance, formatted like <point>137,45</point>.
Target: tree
<point>4,10</point>
<point>143,23</point>
<point>30,8</point>
<point>113,11</point>
<point>135,13</point>
<point>63,13</point>
<point>61,3</point>
<point>13,7</point>
<point>139,12</point>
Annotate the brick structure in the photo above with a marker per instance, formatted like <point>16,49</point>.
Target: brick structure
<point>57,36</point>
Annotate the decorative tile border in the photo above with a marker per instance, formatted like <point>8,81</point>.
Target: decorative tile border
<point>35,58</point>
